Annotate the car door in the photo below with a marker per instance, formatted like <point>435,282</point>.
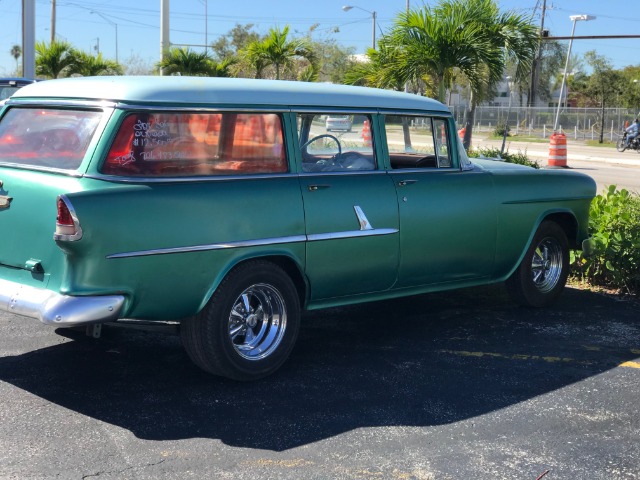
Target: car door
<point>351,211</point>
<point>447,215</point>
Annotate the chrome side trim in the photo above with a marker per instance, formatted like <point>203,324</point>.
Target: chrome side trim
<point>53,308</point>
<point>257,243</point>
<point>316,237</point>
<point>362,219</point>
<point>213,246</point>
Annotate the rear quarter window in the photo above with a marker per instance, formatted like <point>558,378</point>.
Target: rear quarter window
<point>46,137</point>
<point>195,144</point>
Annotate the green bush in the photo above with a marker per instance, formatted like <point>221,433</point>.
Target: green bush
<point>520,158</point>
<point>500,128</point>
<point>614,225</point>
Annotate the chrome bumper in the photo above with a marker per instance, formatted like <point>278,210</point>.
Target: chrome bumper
<point>53,308</point>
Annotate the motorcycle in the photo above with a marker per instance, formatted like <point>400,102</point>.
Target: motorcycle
<point>634,144</point>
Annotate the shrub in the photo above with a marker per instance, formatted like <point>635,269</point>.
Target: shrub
<point>520,158</point>
<point>500,128</point>
<point>614,225</point>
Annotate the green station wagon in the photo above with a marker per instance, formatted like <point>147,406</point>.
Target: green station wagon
<point>224,205</point>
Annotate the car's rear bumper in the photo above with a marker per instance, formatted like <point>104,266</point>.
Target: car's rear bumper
<point>53,308</point>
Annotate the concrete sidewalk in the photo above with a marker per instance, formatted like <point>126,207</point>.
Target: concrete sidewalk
<point>576,150</point>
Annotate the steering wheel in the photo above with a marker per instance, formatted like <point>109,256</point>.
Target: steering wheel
<point>324,135</point>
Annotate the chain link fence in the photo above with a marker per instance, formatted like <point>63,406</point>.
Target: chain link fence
<point>576,123</point>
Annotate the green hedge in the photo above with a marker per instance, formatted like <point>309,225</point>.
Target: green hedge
<point>614,225</point>
<point>520,158</point>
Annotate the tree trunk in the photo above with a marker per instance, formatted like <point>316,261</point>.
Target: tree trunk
<point>406,133</point>
<point>471,115</point>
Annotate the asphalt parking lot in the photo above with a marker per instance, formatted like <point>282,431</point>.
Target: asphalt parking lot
<point>457,385</point>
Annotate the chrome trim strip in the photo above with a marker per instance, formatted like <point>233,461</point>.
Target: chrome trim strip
<point>44,102</point>
<point>362,219</point>
<point>70,173</point>
<point>187,108</point>
<point>343,172</point>
<point>198,179</point>
<point>316,237</point>
<point>257,243</point>
<point>213,246</point>
<point>345,110</point>
<point>55,309</point>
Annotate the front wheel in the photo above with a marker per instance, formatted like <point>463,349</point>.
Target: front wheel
<point>249,326</point>
<point>542,274</point>
<point>621,145</point>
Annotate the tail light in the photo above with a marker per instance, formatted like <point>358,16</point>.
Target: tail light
<point>67,223</point>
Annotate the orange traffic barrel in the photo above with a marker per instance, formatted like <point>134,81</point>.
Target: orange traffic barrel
<point>366,133</point>
<point>558,150</point>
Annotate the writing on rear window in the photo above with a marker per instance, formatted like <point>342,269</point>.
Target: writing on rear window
<point>166,144</point>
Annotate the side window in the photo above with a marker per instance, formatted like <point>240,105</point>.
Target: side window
<point>192,144</point>
<point>335,142</point>
<point>417,141</point>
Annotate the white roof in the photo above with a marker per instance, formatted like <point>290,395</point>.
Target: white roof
<point>191,91</point>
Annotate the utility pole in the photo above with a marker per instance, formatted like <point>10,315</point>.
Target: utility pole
<point>53,21</point>
<point>535,65</point>
<point>29,38</point>
<point>165,44</point>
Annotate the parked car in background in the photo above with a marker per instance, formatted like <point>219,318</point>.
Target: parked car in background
<point>9,86</point>
<point>338,123</point>
<point>223,205</point>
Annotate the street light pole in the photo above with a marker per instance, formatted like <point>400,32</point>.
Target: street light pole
<point>346,8</point>
<point>574,19</point>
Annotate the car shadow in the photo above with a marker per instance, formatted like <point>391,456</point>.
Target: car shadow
<point>421,361</point>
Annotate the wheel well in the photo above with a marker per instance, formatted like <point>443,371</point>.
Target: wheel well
<point>291,268</point>
<point>568,223</point>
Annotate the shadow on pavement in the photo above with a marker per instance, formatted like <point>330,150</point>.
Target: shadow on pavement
<point>420,361</point>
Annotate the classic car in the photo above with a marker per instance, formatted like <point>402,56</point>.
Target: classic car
<point>224,206</point>
<point>339,123</point>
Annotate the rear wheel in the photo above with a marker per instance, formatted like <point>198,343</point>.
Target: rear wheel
<point>249,326</point>
<point>542,274</point>
<point>621,145</point>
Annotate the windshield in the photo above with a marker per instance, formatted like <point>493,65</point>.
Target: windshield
<point>46,137</point>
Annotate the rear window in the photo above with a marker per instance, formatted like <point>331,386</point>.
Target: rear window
<point>45,137</point>
<point>195,144</point>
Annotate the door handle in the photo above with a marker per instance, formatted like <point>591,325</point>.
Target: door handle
<point>313,188</point>
<point>403,183</point>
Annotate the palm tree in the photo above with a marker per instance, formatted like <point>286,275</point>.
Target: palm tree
<point>54,60</point>
<point>278,51</point>
<point>435,41</point>
<point>184,61</point>
<point>87,65</point>
<point>470,36</point>
<point>16,52</point>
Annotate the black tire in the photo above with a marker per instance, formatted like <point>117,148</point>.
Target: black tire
<point>621,145</point>
<point>249,326</point>
<point>542,274</point>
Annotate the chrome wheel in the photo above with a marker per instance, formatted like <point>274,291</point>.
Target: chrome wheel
<point>543,271</point>
<point>257,322</point>
<point>547,264</point>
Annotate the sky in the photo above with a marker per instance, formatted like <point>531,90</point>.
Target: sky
<point>87,24</point>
